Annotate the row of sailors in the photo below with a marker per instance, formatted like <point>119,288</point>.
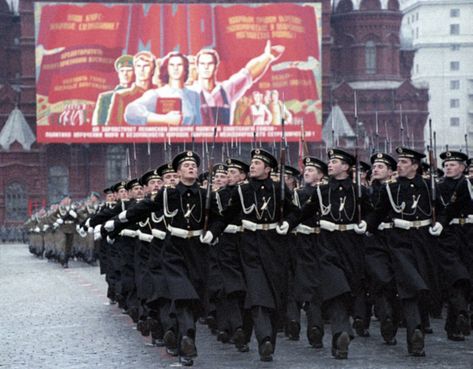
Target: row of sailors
<point>267,255</point>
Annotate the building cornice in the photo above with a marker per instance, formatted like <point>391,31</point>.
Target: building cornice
<point>441,45</point>
<point>424,3</point>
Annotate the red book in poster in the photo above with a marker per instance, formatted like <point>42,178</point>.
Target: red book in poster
<point>166,104</point>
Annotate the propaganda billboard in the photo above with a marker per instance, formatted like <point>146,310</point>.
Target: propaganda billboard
<point>157,72</point>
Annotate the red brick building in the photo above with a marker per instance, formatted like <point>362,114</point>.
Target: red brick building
<point>370,60</point>
<point>40,175</point>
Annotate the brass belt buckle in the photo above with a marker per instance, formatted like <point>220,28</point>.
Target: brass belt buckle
<point>462,221</point>
<point>342,227</point>
<point>317,230</point>
<point>265,226</point>
<point>416,223</point>
<point>189,234</point>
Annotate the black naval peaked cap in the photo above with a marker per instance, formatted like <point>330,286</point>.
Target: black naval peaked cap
<point>404,152</point>
<point>364,166</point>
<point>148,176</point>
<point>185,156</point>
<point>238,164</point>
<point>203,177</point>
<point>220,168</point>
<point>453,156</point>
<point>264,156</point>
<point>132,183</point>
<point>165,169</point>
<point>385,159</point>
<point>342,155</point>
<point>310,161</point>
<point>425,166</point>
<point>108,190</point>
<point>118,186</point>
<point>291,171</point>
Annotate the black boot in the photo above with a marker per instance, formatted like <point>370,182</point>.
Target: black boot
<point>315,336</point>
<point>340,345</point>
<point>388,331</point>
<point>359,326</point>
<point>415,344</point>
<point>266,351</point>
<point>293,330</point>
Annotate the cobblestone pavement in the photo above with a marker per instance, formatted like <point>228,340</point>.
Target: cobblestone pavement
<point>57,318</point>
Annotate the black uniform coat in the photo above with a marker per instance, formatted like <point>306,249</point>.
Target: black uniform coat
<point>306,286</point>
<point>225,273</point>
<point>340,254</point>
<point>153,284</point>
<point>456,241</point>
<point>414,250</point>
<point>263,252</point>
<point>185,261</point>
<point>104,213</point>
<point>378,256</point>
<point>126,247</point>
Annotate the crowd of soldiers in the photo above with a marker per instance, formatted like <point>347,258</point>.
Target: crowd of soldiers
<point>247,250</point>
<point>55,233</point>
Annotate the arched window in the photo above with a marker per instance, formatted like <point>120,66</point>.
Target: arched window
<point>370,57</point>
<point>116,164</point>
<point>344,6</point>
<point>393,5</point>
<point>370,5</point>
<point>58,183</point>
<point>16,203</point>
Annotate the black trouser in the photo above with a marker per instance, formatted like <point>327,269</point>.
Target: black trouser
<point>229,316</point>
<point>412,315</point>
<point>167,322</point>
<point>359,306</point>
<point>185,319</point>
<point>339,317</point>
<point>265,324</point>
<point>313,313</point>
<point>293,312</point>
<point>314,316</point>
<point>457,304</point>
<point>387,306</point>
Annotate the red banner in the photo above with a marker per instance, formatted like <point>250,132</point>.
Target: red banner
<point>156,72</point>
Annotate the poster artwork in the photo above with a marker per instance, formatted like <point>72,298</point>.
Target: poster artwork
<point>154,72</point>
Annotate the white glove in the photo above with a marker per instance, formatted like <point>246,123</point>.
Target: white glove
<point>361,228</point>
<point>82,233</point>
<point>59,221</point>
<point>110,241</point>
<point>72,213</point>
<point>77,228</point>
<point>109,225</point>
<point>206,238</point>
<point>97,234</point>
<point>436,229</point>
<point>87,223</point>
<point>282,228</point>
<point>45,227</point>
